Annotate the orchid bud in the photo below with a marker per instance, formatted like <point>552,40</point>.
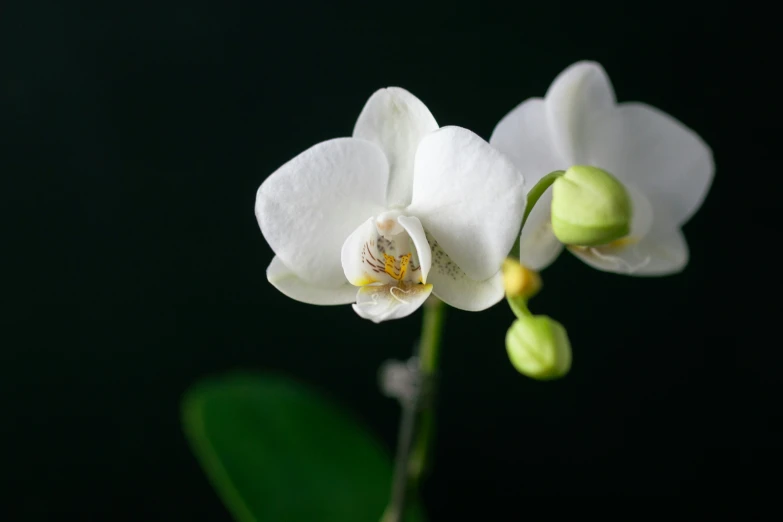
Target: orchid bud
<point>538,347</point>
<point>519,280</point>
<point>590,207</point>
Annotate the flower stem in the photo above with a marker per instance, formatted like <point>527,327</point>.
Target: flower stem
<point>429,352</point>
<point>417,424</point>
<point>538,190</point>
<point>532,198</point>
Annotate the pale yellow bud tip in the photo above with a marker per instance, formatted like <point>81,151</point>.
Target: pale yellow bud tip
<point>519,280</point>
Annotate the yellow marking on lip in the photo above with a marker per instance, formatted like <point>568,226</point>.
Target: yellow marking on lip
<point>390,266</point>
<point>364,281</point>
<point>404,260</point>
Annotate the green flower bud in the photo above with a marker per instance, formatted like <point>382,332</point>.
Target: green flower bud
<point>538,347</point>
<point>589,207</point>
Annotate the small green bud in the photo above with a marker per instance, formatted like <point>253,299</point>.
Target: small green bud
<point>538,347</point>
<point>590,207</point>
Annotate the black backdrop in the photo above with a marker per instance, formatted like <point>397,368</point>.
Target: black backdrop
<point>134,138</point>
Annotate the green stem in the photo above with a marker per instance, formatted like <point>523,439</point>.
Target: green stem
<point>431,331</point>
<point>429,353</point>
<point>417,424</point>
<point>519,306</point>
<point>532,198</point>
<point>538,190</point>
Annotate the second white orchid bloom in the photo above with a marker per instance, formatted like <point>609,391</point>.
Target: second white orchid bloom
<point>401,210</point>
<point>665,166</point>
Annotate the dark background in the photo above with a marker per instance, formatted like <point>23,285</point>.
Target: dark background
<point>134,137</point>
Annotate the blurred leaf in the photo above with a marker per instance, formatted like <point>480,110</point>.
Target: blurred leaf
<point>277,451</point>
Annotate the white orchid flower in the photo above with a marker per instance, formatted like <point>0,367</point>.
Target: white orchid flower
<point>665,166</point>
<point>401,210</point>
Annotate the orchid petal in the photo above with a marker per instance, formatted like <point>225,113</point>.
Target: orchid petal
<point>642,217</point>
<point>291,285</point>
<point>579,100</point>
<point>663,156</point>
<point>663,250</point>
<point>538,245</point>
<point>523,134</point>
<point>469,197</point>
<point>310,205</point>
<point>456,289</point>
<point>423,254</point>
<point>397,121</point>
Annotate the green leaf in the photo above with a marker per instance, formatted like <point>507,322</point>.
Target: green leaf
<point>276,450</point>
